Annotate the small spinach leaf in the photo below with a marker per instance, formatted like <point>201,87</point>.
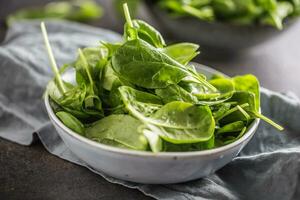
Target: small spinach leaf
<point>182,52</point>
<point>71,122</point>
<point>232,127</point>
<point>248,83</point>
<point>170,147</point>
<point>147,33</point>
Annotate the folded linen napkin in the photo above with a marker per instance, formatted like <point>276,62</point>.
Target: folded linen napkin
<point>267,168</point>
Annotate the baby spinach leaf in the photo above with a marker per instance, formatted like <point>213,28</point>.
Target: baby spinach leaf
<point>177,122</point>
<point>71,122</point>
<point>232,127</point>
<point>225,89</point>
<point>108,77</point>
<point>243,97</point>
<point>227,139</point>
<point>182,115</point>
<point>182,52</point>
<point>223,85</point>
<point>114,95</point>
<point>147,33</point>
<point>243,131</point>
<point>182,136</point>
<point>248,83</point>
<point>175,93</point>
<point>118,130</point>
<point>142,64</point>
<point>139,104</point>
<point>232,115</point>
<point>91,63</point>
<point>131,94</point>
<point>221,110</point>
<point>111,48</point>
<point>92,103</point>
<point>192,86</point>
<point>203,95</point>
<point>170,147</point>
<point>73,98</point>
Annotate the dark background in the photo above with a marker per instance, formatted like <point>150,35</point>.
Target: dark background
<point>33,173</point>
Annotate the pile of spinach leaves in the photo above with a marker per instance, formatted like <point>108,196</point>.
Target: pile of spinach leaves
<point>266,12</point>
<point>74,10</point>
<point>144,95</point>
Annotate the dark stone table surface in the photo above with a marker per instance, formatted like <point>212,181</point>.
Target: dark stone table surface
<point>33,173</point>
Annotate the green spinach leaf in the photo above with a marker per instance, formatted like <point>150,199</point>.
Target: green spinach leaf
<point>71,122</point>
<point>118,130</point>
<point>182,52</point>
<point>142,64</point>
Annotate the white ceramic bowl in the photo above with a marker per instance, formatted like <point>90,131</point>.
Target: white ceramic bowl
<point>148,167</point>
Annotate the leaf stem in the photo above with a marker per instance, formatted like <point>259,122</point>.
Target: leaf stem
<point>231,111</point>
<point>266,119</point>
<point>52,59</point>
<point>86,66</point>
<point>127,15</point>
<point>207,84</point>
<point>101,53</point>
<point>246,115</point>
<point>196,76</point>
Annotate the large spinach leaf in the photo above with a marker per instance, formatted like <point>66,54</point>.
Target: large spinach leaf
<point>118,130</point>
<point>141,64</point>
<point>176,122</point>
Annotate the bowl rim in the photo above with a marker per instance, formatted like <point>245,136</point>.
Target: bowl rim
<point>54,119</point>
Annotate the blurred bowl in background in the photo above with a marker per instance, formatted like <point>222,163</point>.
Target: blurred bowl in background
<point>215,36</point>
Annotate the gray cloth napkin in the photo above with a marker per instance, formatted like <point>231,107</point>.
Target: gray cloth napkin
<point>267,168</point>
